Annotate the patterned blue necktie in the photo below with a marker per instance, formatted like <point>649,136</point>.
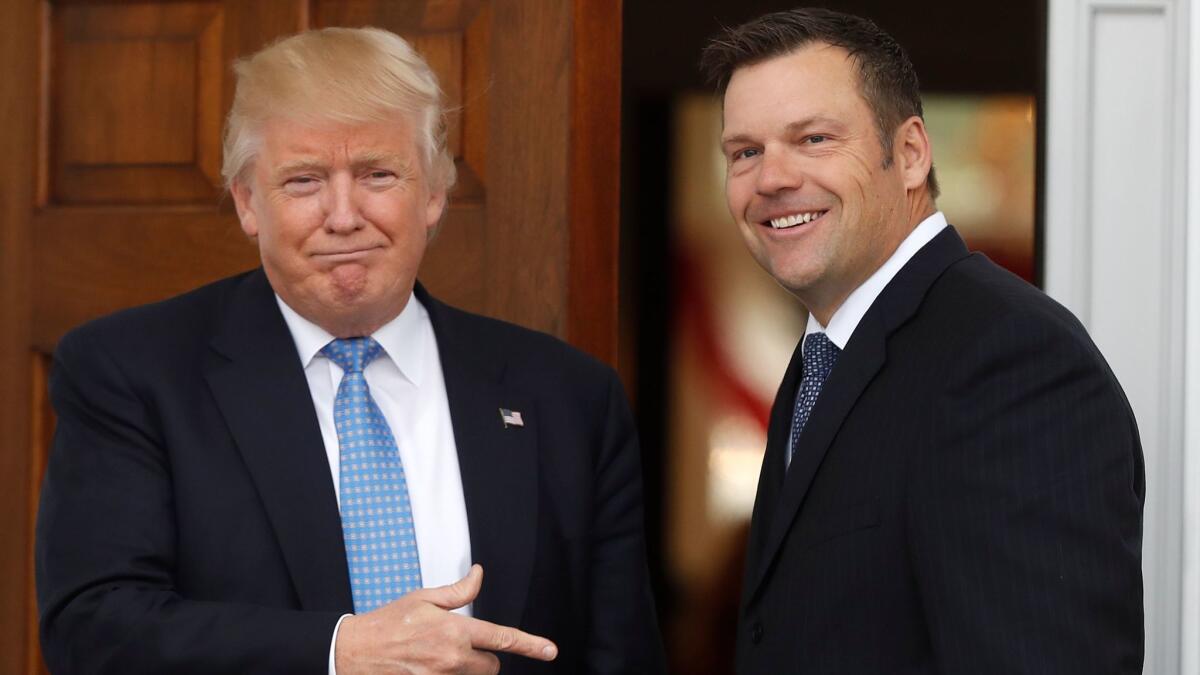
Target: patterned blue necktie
<point>377,522</point>
<point>819,356</point>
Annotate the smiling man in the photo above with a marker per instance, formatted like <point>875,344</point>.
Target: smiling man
<point>308,467</point>
<point>953,480</point>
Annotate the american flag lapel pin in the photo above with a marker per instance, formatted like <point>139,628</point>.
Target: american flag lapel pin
<point>511,418</point>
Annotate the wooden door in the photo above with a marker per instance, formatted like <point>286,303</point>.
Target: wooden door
<point>110,188</point>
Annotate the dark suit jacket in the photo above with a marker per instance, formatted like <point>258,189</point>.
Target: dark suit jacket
<point>965,498</point>
<point>188,521</point>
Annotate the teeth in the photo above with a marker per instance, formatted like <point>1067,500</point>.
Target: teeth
<point>795,219</point>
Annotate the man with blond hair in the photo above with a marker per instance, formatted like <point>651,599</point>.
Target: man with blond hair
<point>308,467</point>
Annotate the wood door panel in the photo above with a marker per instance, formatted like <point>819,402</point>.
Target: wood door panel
<point>138,184</point>
<point>595,144</point>
<point>401,17</point>
<point>142,96</point>
<point>131,87</point>
<point>95,261</point>
<point>457,257</point>
<point>20,95</point>
<point>41,423</point>
<point>528,163</point>
<point>476,83</point>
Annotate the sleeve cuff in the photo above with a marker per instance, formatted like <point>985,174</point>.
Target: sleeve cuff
<point>333,644</point>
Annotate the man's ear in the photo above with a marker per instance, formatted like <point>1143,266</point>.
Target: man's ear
<point>242,194</point>
<point>434,209</point>
<point>914,155</point>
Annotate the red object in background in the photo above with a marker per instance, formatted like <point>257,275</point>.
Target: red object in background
<point>693,319</point>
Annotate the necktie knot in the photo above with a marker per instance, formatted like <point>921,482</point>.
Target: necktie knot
<point>819,355</point>
<point>352,354</point>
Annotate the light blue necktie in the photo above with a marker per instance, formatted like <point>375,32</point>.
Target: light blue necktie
<point>377,522</point>
<point>820,354</point>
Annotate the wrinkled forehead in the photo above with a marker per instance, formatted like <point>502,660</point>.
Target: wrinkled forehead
<point>332,144</point>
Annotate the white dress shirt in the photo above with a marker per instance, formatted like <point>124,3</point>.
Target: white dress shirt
<point>407,384</point>
<point>847,317</point>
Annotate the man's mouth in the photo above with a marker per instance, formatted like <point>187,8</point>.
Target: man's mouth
<point>347,255</point>
<point>794,219</point>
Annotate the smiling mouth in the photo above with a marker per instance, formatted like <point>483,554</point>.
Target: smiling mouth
<point>795,219</point>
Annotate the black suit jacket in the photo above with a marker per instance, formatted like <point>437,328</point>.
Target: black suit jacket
<point>188,521</point>
<point>965,498</point>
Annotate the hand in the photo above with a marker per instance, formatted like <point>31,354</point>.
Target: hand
<point>417,634</point>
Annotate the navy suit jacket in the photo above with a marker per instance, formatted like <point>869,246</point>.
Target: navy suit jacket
<point>966,496</point>
<point>188,522</point>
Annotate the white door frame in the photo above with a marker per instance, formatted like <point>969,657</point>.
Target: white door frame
<point>1122,250</point>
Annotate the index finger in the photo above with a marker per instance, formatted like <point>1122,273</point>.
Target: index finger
<point>497,638</point>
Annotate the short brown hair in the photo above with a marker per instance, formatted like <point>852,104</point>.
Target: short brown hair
<point>887,79</point>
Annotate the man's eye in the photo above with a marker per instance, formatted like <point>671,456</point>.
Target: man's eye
<point>816,139</point>
<point>745,153</point>
<point>301,185</point>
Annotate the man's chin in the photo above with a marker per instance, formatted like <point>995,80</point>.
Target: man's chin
<point>794,275</point>
<point>348,282</point>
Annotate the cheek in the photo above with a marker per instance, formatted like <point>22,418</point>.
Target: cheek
<point>737,195</point>
<point>387,217</point>
<point>290,223</point>
<point>850,185</point>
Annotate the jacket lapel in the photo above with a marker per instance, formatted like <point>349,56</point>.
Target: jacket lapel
<point>860,361</point>
<point>771,476</point>
<point>498,463</point>
<point>262,392</point>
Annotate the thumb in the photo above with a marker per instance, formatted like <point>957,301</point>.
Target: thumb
<point>460,593</point>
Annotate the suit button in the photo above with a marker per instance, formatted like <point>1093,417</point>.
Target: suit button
<point>756,632</point>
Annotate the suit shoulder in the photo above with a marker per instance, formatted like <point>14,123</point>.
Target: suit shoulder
<point>524,349</point>
<point>978,305</point>
<point>983,294</point>
<point>166,325</point>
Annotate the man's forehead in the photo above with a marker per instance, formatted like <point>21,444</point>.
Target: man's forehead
<point>813,81</point>
<point>289,142</point>
<point>814,58</point>
<point>321,157</point>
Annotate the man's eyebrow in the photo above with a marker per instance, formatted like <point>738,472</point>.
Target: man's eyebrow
<point>792,128</point>
<point>299,166</point>
<point>800,126</point>
<point>368,159</point>
<point>737,139</point>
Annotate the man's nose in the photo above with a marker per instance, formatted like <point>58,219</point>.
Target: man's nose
<point>776,173</point>
<point>341,209</point>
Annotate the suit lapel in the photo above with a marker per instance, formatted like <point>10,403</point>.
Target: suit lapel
<point>771,476</point>
<point>498,464</point>
<point>262,392</point>
<point>860,361</point>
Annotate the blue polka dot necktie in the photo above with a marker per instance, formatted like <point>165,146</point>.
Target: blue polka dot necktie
<point>819,354</point>
<point>377,522</point>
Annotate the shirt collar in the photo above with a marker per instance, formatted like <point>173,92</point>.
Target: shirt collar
<point>402,338</point>
<point>846,318</point>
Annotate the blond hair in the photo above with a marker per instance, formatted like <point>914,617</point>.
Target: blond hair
<point>340,75</point>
